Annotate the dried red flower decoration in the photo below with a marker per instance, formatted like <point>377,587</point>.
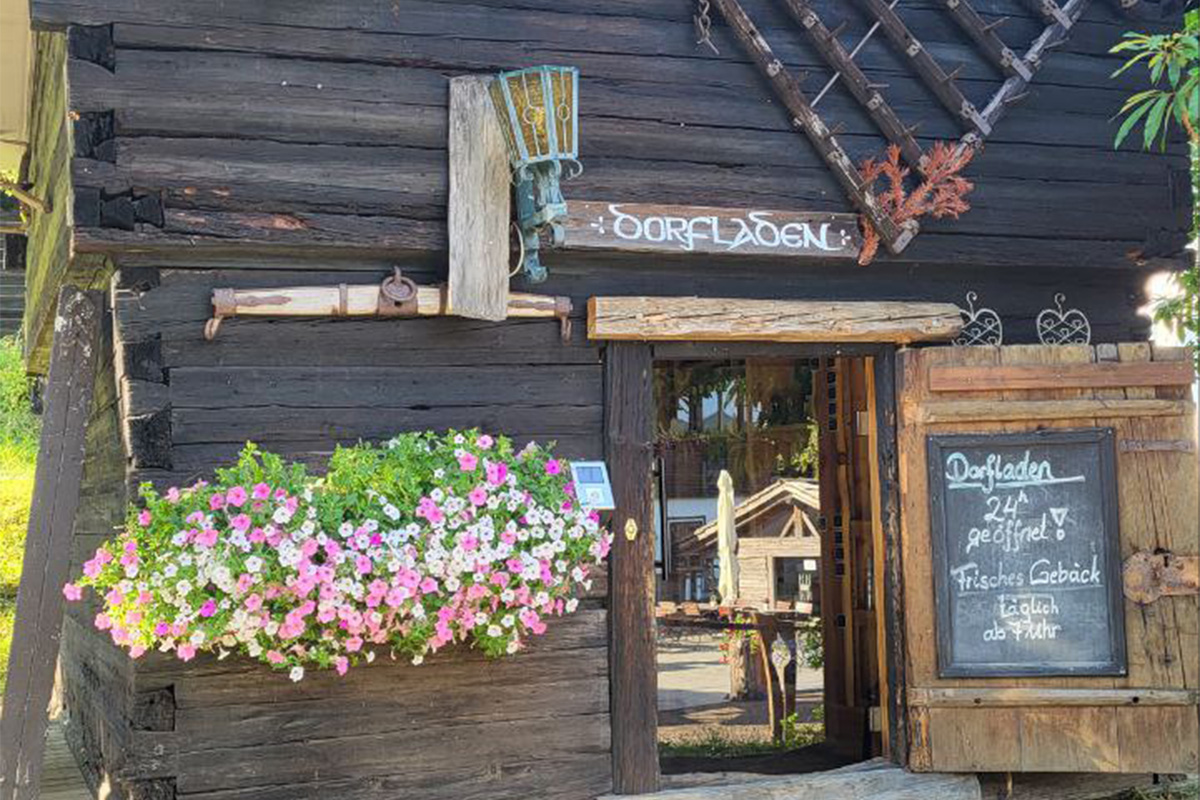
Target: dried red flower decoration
<point>941,193</point>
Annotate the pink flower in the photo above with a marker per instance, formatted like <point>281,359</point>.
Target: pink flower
<point>144,598</point>
<point>257,536</point>
<point>103,622</point>
<point>497,472</point>
<point>261,491</point>
<point>103,556</point>
<point>484,441</point>
<point>508,537</point>
<point>216,501</point>
<point>236,496</point>
<point>363,564</point>
<point>467,462</point>
<point>275,657</point>
<point>254,602</point>
<point>341,664</point>
<point>354,644</point>
<point>468,543</point>
<point>209,608</point>
<point>244,582</point>
<point>144,517</point>
<point>173,494</point>
<point>241,522</point>
<point>553,467</point>
<point>429,586</point>
<point>186,652</point>
<point>207,538</point>
<point>162,629</point>
<point>137,651</point>
<point>72,592</point>
<point>477,496</point>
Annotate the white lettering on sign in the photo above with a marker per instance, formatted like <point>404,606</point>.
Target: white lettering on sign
<point>688,229</point>
<point>730,233</point>
<point>996,472</point>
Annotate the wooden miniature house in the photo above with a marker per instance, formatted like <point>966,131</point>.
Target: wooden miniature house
<point>199,156</point>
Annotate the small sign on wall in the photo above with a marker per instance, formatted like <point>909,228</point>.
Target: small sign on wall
<point>652,228</point>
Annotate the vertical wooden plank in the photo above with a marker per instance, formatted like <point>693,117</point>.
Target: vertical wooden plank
<point>48,543</point>
<point>479,201</point>
<point>1068,739</point>
<point>629,431</point>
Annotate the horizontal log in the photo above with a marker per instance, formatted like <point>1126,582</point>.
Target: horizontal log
<point>1060,376</point>
<point>728,319</point>
<point>1029,410</point>
<point>362,300</point>
<point>1015,698</point>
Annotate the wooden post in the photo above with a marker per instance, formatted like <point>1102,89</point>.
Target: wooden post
<point>765,632</point>
<point>478,203</point>
<point>48,543</point>
<point>633,675</point>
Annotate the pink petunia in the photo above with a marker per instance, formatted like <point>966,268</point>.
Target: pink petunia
<point>497,472</point>
<point>103,622</point>
<point>467,462</point>
<point>144,517</point>
<point>275,657</point>
<point>236,496</point>
<point>173,494</point>
<point>484,441</point>
<point>354,644</point>
<point>72,592</point>
<point>477,496</point>
<point>261,491</point>
<point>186,652</point>
<point>341,664</point>
<point>254,602</point>
<point>206,538</point>
<point>363,564</point>
<point>209,608</point>
<point>162,629</point>
<point>241,522</point>
<point>553,467</point>
<point>429,586</point>
<point>137,651</point>
<point>216,501</point>
<point>468,542</point>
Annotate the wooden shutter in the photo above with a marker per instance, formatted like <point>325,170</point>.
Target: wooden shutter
<point>1143,721</point>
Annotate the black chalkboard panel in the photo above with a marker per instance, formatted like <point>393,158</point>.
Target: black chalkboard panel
<point>1026,553</point>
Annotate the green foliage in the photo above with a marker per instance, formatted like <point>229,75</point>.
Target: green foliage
<point>812,646</point>
<point>1174,94</point>
<point>798,734</point>
<point>18,426</point>
<point>717,742</point>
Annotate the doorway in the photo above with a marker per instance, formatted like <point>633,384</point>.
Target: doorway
<point>778,669</point>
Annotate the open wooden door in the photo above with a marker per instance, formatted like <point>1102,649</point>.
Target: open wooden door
<point>1043,491</point>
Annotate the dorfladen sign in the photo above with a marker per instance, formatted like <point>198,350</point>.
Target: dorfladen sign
<point>649,228</point>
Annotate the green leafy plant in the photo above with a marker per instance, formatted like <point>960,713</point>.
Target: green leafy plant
<point>812,646</point>
<point>1172,63</point>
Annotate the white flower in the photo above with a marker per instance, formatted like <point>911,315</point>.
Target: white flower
<point>308,527</point>
<point>572,604</point>
<point>254,564</point>
<point>184,586</point>
<point>439,473</point>
<point>513,646</point>
<point>508,621</point>
<point>296,674</point>
<point>494,630</point>
<point>370,656</point>
<point>418,660</point>
<point>391,512</point>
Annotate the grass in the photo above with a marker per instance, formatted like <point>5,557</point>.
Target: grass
<point>18,454</point>
<point>1186,790</point>
<point>716,742</point>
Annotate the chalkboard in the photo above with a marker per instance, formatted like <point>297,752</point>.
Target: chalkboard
<point>1026,553</point>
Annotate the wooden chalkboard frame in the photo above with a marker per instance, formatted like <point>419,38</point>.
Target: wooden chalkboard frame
<point>1105,441</point>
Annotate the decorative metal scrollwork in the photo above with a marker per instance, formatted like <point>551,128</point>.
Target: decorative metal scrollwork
<point>1058,326</point>
<point>981,326</point>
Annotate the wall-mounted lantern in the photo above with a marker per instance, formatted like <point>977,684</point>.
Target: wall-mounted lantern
<point>539,115</point>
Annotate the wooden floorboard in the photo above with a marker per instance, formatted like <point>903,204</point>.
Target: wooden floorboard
<point>61,778</point>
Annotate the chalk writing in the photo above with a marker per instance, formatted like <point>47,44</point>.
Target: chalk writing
<point>1024,537</point>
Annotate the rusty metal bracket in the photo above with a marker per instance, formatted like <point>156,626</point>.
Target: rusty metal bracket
<point>1149,576</point>
<point>398,296</point>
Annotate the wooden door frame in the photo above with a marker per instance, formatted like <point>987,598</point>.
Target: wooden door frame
<point>629,436</point>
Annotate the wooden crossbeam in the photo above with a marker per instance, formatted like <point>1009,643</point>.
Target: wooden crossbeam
<point>1013,89</point>
<point>985,37</point>
<point>937,79</point>
<point>865,92</point>
<point>895,237</point>
<point>1052,13</point>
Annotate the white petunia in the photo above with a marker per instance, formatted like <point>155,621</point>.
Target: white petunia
<point>296,674</point>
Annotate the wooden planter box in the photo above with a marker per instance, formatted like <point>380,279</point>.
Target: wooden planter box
<point>458,726</point>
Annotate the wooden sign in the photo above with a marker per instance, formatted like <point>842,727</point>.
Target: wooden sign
<point>1026,554</point>
<point>650,228</point>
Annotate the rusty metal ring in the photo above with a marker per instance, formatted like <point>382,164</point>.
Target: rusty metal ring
<point>398,288</point>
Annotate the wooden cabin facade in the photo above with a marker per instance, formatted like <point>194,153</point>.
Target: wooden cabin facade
<point>190,147</point>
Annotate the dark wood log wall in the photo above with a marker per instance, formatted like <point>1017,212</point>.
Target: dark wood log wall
<point>213,125</point>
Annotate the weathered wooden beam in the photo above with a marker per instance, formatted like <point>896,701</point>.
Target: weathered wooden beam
<point>47,562</point>
<point>939,82</point>
<point>478,203</point>
<point>1060,376</point>
<point>985,37</point>
<point>629,429</point>
<point>1025,410</point>
<point>1019,698</point>
<point>1013,89</point>
<point>895,237</point>
<point>865,92</point>
<point>730,319</point>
